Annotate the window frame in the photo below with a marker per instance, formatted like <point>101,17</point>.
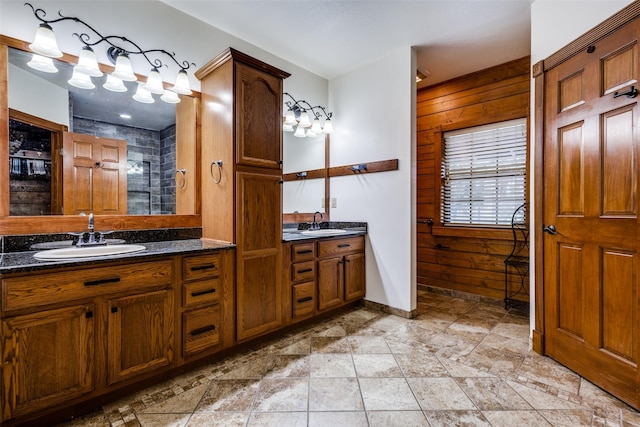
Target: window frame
<point>498,232</point>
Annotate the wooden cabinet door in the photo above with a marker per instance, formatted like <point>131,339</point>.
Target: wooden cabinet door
<point>330,283</point>
<point>354,276</point>
<point>258,118</point>
<point>259,266</point>
<point>592,198</point>
<point>94,175</point>
<point>140,334</point>
<point>47,359</point>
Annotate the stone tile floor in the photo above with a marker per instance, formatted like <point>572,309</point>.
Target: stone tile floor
<point>459,363</point>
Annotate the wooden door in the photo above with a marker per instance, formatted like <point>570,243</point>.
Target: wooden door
<point>140,334</point>
<point>330,283</point>
<point>94,175</point>
<point>258,113</point>
<point>47,359</point>
<point>259,266</point>
<point>591,204</point>
<point>354,276</point>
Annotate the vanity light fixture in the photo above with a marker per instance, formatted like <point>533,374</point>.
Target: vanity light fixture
<point>298,119</point>
<point>45,47</point>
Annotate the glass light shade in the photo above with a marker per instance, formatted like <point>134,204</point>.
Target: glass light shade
<point>42,63</point>
<point>170,97</point>
<point>315,127</point>
<point>290,118</point>
<point>328,127</point>
<point>80,80</point>
<point>154,82</point>
<point>304,120</point>
<point>182,84</point>
<point>287,128</point>
<point>87,62</point>
<point>114,84</point>
<point>300,132</point>
<point>143,95</point>
<point>45,43</point>
<point>123,70</point>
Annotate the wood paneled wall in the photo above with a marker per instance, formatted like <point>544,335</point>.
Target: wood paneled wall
<point>464,259</point>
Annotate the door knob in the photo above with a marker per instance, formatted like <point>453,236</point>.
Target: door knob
<point>551,229</point>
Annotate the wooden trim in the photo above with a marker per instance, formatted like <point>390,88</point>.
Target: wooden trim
<point>312,174</point>
<point>4,130</point>
<point>371,167</point>
<point>632,11</point>
<point>10,225</point>
<point>495,233</point>
<point>231,53</point>
<point>537,69</point>
<point>538,210</point>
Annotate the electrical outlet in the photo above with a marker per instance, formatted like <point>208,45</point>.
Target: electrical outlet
<point>334,202</point>
<point>322,201</point>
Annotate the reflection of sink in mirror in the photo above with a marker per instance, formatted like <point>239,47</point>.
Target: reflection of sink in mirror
<point>324,232</point>
<point>85,252</point>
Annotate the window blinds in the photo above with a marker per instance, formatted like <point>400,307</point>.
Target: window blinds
<point>484,173</point>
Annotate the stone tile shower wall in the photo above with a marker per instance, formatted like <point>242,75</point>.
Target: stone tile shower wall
<point>168,170</point>
<point>146,163</point>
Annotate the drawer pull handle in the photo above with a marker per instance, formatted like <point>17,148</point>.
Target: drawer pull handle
<point>206,291</point>
<point>306,270</point>
<point>305,299</point>
<point>101,281</point>
<point>344,245</point>
<point>203,267</point>
<point>88,314</point>
<point>306,251</point>
<point>203,330</point>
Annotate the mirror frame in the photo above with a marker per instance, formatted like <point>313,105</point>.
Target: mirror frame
<point>12,225</point>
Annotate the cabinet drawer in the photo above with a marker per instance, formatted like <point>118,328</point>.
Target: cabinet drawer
<point>303,299</point>
<point>56,287</point>
<point>340,246</point>
<point>200,267</point>
<point>200,330</point>
<point>303,271</point>
<point>196,293</point>
<point>302,252</point>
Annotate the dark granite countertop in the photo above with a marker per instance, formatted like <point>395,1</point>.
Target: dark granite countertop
<point>17,262</point>
<point>290,234</point>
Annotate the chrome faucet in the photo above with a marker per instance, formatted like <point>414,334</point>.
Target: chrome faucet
<point>90,223</point>
<point>91,239</point>
<point>314,224</point>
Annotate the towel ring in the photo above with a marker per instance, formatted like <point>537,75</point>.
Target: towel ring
<point>219,165</point>
<point>183,173</point>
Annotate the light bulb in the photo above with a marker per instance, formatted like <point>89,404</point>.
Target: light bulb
<point>300,132</point>
<point>182,84</point>
<point>45,42</point>
<point>80,80</point>
<point>170,97</point>
<point>123,70</point>
<point>290,118</point>
<point>114,84</point>
<point>328,127</point>
<point>154,82</point>
<point>42,63</point>
<point>315,127</point>
<point>304,120</point>
<point>143,95</point>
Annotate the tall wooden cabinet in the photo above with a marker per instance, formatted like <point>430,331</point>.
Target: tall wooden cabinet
<point>241,180</point>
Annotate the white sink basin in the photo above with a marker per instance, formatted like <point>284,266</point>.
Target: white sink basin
<point>85,252</point>
<point>324,232</point>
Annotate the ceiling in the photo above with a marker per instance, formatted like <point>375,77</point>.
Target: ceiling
<point>334,37</point>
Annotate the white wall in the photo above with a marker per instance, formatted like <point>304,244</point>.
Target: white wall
<point>35,96</point>
<point>554,24</point>
<point>375,120</point>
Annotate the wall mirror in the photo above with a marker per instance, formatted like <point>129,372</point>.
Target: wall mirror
<point>154,187</point>
<point>304,195</point>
